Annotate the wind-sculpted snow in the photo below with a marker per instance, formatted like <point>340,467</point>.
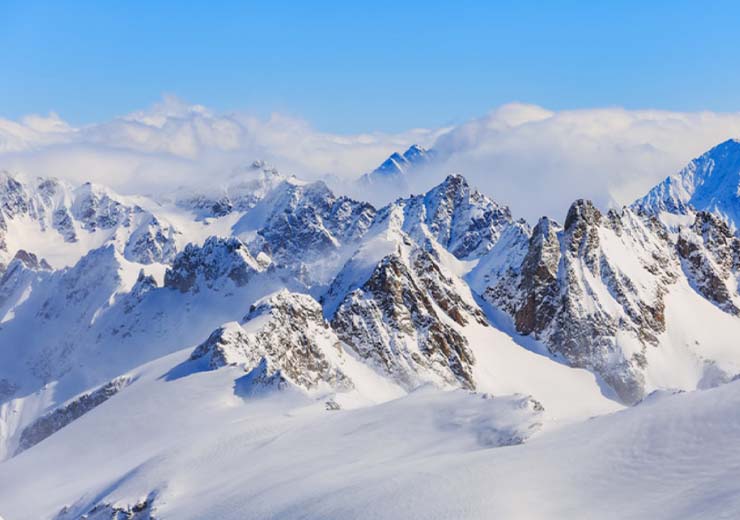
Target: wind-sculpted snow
<point>98,319</point>
<point>432,455</point>
<point>49,344</point>
<point>211,454</point>
<point>46,300</point>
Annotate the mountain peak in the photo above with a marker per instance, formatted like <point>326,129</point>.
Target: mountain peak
<point>397,165</point>
<point>455,180</point>
<point>582,210</point>
<point>732,144</point>
<point>415,153</point>
<point>710,182</point>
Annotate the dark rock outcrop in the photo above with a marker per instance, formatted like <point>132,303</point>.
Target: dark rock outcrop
<point>710,255</point>
<point>392,320</point>
<point>213,263</point>
<point>284,338</point>
<point>52,422</point>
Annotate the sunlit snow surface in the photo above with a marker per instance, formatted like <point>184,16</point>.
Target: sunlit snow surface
<point>179,438</point>
<point>203,452</point>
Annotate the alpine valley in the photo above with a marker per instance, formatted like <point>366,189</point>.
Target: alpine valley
<point>273,350</point>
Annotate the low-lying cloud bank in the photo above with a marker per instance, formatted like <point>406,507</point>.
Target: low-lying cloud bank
<point>536,160</point>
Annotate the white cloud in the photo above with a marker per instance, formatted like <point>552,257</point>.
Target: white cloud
<point>536,160</point>
<point>539,161</point>
<point>173,144</point>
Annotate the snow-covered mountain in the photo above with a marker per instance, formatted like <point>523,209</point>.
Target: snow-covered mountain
<point>709,183</point>
<point>397,166</point>
<point>61,222</point>
<point>214,350</point>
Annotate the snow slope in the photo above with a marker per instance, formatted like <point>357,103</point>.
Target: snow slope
<point>268,349</point>
<point>429,455</point>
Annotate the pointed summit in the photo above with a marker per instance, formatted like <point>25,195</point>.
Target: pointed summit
<point>709,183</point>
<point>417,155</point>
<point>397,165</point>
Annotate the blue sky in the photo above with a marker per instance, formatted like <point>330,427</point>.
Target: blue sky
<point>353,66</point>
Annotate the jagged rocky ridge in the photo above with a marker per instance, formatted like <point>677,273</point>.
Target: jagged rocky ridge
<point>460,218</point>
<point>283,339</point>
<point>710,256</point>
<point>88,213</point>
<point>143,510</point>
<point>216,260</point>
<point>398,286</point>
<point>303,221</point>
<point>399,319</point>
<point>572,291</point>
<point>52,422</point>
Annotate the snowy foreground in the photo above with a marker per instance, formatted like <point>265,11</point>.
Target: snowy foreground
<point>200,451</point>
<point>269,349</point>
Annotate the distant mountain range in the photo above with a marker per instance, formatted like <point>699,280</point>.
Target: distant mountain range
<point>159,357</point>
<point>397,166</point>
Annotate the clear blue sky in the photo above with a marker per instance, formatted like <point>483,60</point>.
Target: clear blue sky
<point>354,66</point>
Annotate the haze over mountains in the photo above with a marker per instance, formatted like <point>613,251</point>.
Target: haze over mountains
<point>611,156</point>
<point>273,349</point>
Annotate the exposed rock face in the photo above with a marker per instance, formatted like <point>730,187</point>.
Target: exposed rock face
<point>218,260</point>
<point>461,219</point>
<point>143,510</point>
<point>306,220</point>
<point>710,256</point>
<point>284,338</point>
<point>14,199</point>
<point>574,293</point>
<point>54,421</point>
<point>393,321</point>
<point>31,261</point>
<point>539,279</point>
<point>150,242</point>
<point>95,209</point>
<point>592,291</point>
<point>443,290</point>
